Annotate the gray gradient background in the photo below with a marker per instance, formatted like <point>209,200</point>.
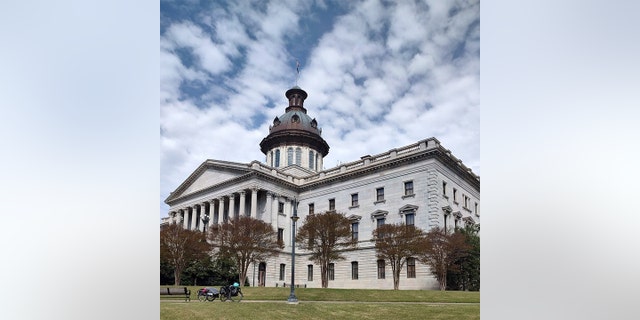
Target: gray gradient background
<point>79,86</point>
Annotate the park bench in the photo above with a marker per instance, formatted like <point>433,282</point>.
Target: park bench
<point>181,292</point>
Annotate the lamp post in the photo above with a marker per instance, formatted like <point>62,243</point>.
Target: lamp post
<point>292,297</point>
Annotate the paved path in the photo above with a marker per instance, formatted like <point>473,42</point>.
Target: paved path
<point>359,302</point>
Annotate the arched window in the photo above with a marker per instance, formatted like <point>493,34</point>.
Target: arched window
<point>298,156</point>
<point>311,159</point>
<point>271,154</point>
<point>289,156</point>
<point>277,158</point>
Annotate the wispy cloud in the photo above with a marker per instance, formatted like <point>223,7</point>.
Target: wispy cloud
<point>382,75</point>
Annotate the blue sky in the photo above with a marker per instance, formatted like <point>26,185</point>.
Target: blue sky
<point>379,74</point>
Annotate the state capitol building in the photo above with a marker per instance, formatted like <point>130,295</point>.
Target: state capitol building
<point>421,184</point>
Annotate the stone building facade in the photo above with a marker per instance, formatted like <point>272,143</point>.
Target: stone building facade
<point>421,184</point>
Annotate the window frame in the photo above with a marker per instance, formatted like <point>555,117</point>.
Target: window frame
<point>381,268</point>
<point>331,270</point>
<point>282,271</point>
<point>411,267</point>
<point>354,200</point>
<point>380,194</point>
<point>354,270</point>
<point>408,191</point>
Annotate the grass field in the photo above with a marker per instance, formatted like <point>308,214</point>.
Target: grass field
<point>269,303</point>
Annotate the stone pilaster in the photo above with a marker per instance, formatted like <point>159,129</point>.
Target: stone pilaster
<point>254,202</point>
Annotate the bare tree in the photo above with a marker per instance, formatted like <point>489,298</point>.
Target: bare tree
<point>395,243</point>
<point>440,251</point>
<point>325,235</point>
<point>179,247</point>
<point>245,240</point>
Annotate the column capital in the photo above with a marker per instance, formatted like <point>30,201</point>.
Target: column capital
<point>242,192</point>
<point>232,196</point>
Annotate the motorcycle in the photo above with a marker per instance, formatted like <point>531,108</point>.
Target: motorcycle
<point>208,294</point>
<point>231,292</point>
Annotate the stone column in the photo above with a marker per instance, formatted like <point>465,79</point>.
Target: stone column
<point>185,217</point>
<point>254,202</point>
<point>268,207</point>
<point>274,211</point>
<point>220,210</point>
<point>203,210</point>
<point>194,217</point>
<point>242,200</point>
<point>212,211</point>
<point>232,206</point>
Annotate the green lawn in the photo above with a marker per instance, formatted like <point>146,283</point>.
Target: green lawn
<point>348,304</point>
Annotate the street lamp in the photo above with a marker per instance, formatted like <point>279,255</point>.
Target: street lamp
<point>292,297</point>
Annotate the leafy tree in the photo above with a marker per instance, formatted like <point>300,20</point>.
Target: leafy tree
<point>179,247</point>
<point>440,251</point>
<point>166,273</point>
<point>395,243</point>
<point>245,240</point>
<point>467,277</point>
<point>325,235</point>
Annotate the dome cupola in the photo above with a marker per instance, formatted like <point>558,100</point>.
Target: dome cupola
<point>295,132</point>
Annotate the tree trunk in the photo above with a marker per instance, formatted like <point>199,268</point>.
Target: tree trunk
<point>324,276</point>
<point>176,277</point>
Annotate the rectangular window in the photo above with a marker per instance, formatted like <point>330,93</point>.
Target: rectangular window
<point>311,160</point>
<point>444,188</point>
<point>354,231</point>
<point>280,235</point>
<point>379,222</point>
<point>409,219</point>
<point>332,204</point>
<point>277,158</point>
<point>380,194</point>
<point>380,269</point>
<point>455,195</point>
<point>408,188</point>
<point>411,268</point>
<point>475,209</point>
<point>289,156</point>
<point>354,200</point>
<point>310,272</point>
<point>282,265</point>
<point>281,207</point>
<point>331,271</point>
<point>311,208</point>
<point>466,201</point>
<point>354,270</point>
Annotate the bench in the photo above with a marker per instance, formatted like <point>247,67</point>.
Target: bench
<point>170,293</point>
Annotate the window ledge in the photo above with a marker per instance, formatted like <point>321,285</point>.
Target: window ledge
<point>445,196</point>
<point>466,209</point>
<point>455,202</point>
<point>353,207</point>
<point>380,201</point>
<point>409,196</point>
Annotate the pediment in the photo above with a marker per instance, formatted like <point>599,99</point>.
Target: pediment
<point>209,174</point>
<point>469,220</point>
<point>408,207</point>
<point>354,217</point>
<point>379,214</point>
<point>297,171</point>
